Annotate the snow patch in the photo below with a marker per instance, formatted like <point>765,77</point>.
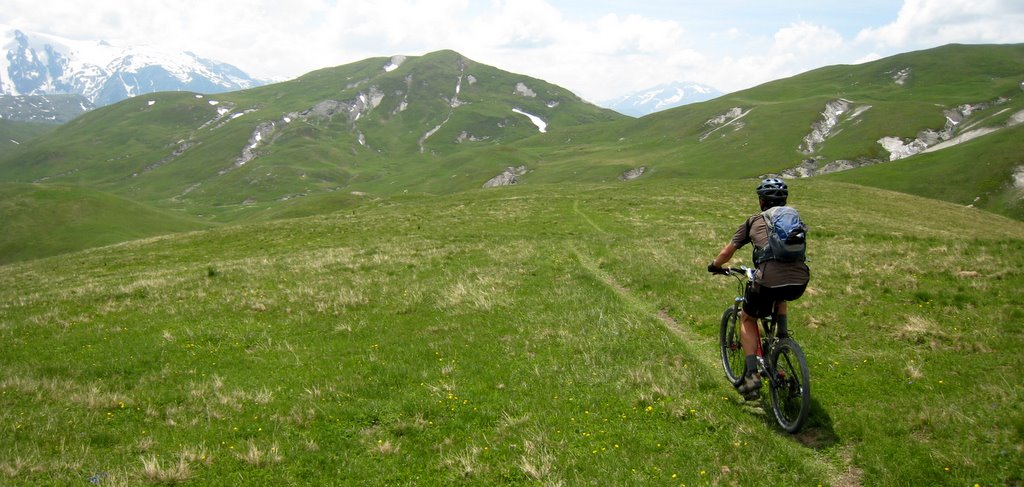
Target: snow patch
<point>539,122</point>
<point>394,63</point>
<point>151,102</point>
<point>1018,177</point>
<point>213,103</point>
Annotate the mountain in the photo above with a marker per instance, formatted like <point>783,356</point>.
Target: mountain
<point>41,64</point>
<point>376,126</point>
<point>50,109</point>
<point>440,123</point>
<point>661,97</point>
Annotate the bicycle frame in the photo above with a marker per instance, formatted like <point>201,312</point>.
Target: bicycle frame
<point>780,361</point>
<point>744,278</point>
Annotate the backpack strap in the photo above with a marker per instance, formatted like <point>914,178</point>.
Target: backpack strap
<point>764,254</point>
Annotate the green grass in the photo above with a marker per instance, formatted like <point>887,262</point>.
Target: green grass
<point>44,220</point>
<point>13,134</point>
<point>547,335</point>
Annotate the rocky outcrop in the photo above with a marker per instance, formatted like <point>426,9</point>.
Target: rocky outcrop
<point>263,133</point>
<point>466,136</point>
<point>632,174</point>
<point>354,108</point>
<point>814,167</point>
<point>957,129</point>
<point>508,177</point>
<point>523,90</point>
<point>730,118</point>
<point>824,128</point>
<point>900,76</point>
<point>954,132</point>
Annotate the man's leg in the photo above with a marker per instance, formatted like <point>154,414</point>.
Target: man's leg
<point>781,320</point>
<point>750,338</point>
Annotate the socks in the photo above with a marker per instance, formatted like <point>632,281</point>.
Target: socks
<point>751,366</point>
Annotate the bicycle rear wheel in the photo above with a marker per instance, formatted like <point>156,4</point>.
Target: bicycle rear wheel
<point>791,386</point>
<point>733,358</point>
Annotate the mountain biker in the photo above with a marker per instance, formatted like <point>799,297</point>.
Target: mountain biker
<point>774,283</point>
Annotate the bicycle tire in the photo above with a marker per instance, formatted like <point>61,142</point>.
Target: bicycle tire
<point>791,388</point>
<point>733,358</point>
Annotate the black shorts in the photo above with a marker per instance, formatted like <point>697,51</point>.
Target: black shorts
<point>761,300</point>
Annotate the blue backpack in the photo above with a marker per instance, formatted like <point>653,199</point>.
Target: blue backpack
<point>787,236</point>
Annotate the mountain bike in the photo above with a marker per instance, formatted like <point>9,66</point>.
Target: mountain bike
<point>785,369</point>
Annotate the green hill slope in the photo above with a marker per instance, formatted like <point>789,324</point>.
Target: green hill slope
<point>443,124</point>
<point>353,127</point>
<point>553,335</point>
<point>762,130</point>
<point>13,134</point>
<point>44,220</point>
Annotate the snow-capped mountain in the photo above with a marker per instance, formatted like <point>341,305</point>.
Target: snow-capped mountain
<point>661,97</point>
<point>49,109</point>
<point>41,64</point>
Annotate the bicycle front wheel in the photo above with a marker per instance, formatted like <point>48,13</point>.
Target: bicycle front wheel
<point>791,386</point>
<point>733,358</point>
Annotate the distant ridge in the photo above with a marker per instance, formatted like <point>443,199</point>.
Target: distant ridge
<point>661,97</point>
<point>41,64</point>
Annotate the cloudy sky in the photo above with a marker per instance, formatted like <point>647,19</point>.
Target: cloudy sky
<point>597,48</point>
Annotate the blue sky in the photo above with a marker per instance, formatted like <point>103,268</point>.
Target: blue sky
<point>597,48</point>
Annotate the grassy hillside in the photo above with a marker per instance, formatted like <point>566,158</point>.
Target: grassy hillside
<point>552,335</point>
<point>682,143</point>
<point>443,124</point>
<point>979,174</point>
<point>44,220</point>
<point>13,134</point>
<point>353,127</point>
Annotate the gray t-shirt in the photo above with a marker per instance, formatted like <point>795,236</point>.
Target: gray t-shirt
<point>770,273</point>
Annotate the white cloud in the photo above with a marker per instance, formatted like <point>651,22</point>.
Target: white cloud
<point>803,37</point>
<point>598,48</point>
<point>937,22</point>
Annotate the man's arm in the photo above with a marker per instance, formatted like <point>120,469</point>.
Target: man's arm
<point>724,255</point>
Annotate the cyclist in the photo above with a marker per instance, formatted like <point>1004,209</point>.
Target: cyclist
<point>775,282</point>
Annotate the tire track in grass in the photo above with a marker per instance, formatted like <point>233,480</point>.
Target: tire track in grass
<point>689,338</point>
<point>576,208</point>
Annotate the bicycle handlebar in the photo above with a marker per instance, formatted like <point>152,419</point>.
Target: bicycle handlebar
<point>735,271</point>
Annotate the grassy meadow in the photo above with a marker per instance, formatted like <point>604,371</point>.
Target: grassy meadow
<point>544,335</point>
